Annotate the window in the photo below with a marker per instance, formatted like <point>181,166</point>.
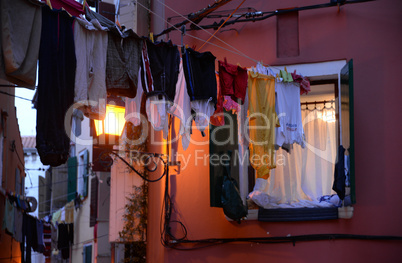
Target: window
<point>300,187</point>
<point>19,182</point>
<point>34,156</point>
<point>87,253</point>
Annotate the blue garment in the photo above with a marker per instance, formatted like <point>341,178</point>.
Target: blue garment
<point>199,71</point>
<point>339,174</point>
<point>27,238</point>
<point>39,235</point>
<point>18,221</point>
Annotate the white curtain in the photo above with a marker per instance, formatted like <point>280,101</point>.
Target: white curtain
<point>303,176</point>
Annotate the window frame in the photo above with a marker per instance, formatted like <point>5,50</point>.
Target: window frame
<point>318,73</point>
<point>84,252</point>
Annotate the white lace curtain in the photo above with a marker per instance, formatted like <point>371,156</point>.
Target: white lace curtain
<point>303,176</point>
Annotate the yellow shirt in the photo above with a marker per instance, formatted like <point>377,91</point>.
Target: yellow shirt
<point>262,122</point>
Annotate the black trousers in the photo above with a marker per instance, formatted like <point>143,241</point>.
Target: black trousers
<point>164,60</point>
<point>57,64</point>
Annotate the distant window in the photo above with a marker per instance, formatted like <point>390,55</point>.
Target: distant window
<point>93,214</point>
<point>18,184</point>
<point>87,253</point>
<point>34,156</point>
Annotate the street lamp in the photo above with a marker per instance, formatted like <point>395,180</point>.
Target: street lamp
<point>114,121</point>
<point>107,133</point>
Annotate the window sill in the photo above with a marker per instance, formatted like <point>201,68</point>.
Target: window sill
<point>299,214</point>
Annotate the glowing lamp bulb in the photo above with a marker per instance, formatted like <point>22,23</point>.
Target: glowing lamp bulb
<point>113,123</point>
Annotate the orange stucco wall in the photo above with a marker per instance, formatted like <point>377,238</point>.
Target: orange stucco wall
<point>370,34</point>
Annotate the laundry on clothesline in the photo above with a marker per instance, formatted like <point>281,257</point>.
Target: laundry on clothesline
<point>88,58</point>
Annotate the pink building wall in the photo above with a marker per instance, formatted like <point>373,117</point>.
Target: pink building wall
<point>370,34</point>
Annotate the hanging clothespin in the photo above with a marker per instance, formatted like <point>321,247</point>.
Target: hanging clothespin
<point>83,5</point>
<point>49,4</point>
<point>118,24</point>
<point>151,37</point>
<point>66,11</point>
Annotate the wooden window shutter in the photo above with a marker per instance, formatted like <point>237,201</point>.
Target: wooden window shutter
<point>94,202</point>
<point>347,123</point>
<point>72,178</point>
<point>86,173</point>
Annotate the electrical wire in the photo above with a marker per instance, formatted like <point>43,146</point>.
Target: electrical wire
<point>274,13</point>
<point>281,239</point>
<point>197,38</point>
<point>13,149</point>
<point>52,183</point>
<point>57,182</point>
<point>151,155</point>
<point>72,245</point>
<point>58,198</point>
<point>221,25</point>
<point>12,95</point>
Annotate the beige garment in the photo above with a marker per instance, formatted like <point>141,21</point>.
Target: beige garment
<point>69,210</point>
<point>91,42</point>
<point>21,25</point>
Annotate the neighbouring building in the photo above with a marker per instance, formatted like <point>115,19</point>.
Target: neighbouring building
<point>35,177</point>
<point>318,43</point>
<point>12,173</point>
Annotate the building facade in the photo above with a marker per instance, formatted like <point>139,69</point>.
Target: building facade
<point>11,169</point>
<point>367,33</point>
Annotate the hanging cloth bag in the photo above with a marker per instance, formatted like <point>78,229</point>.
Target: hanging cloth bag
<point>232,204</point>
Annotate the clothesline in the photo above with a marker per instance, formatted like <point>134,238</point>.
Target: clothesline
<point>15,96</point>
<point>197,38</point>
